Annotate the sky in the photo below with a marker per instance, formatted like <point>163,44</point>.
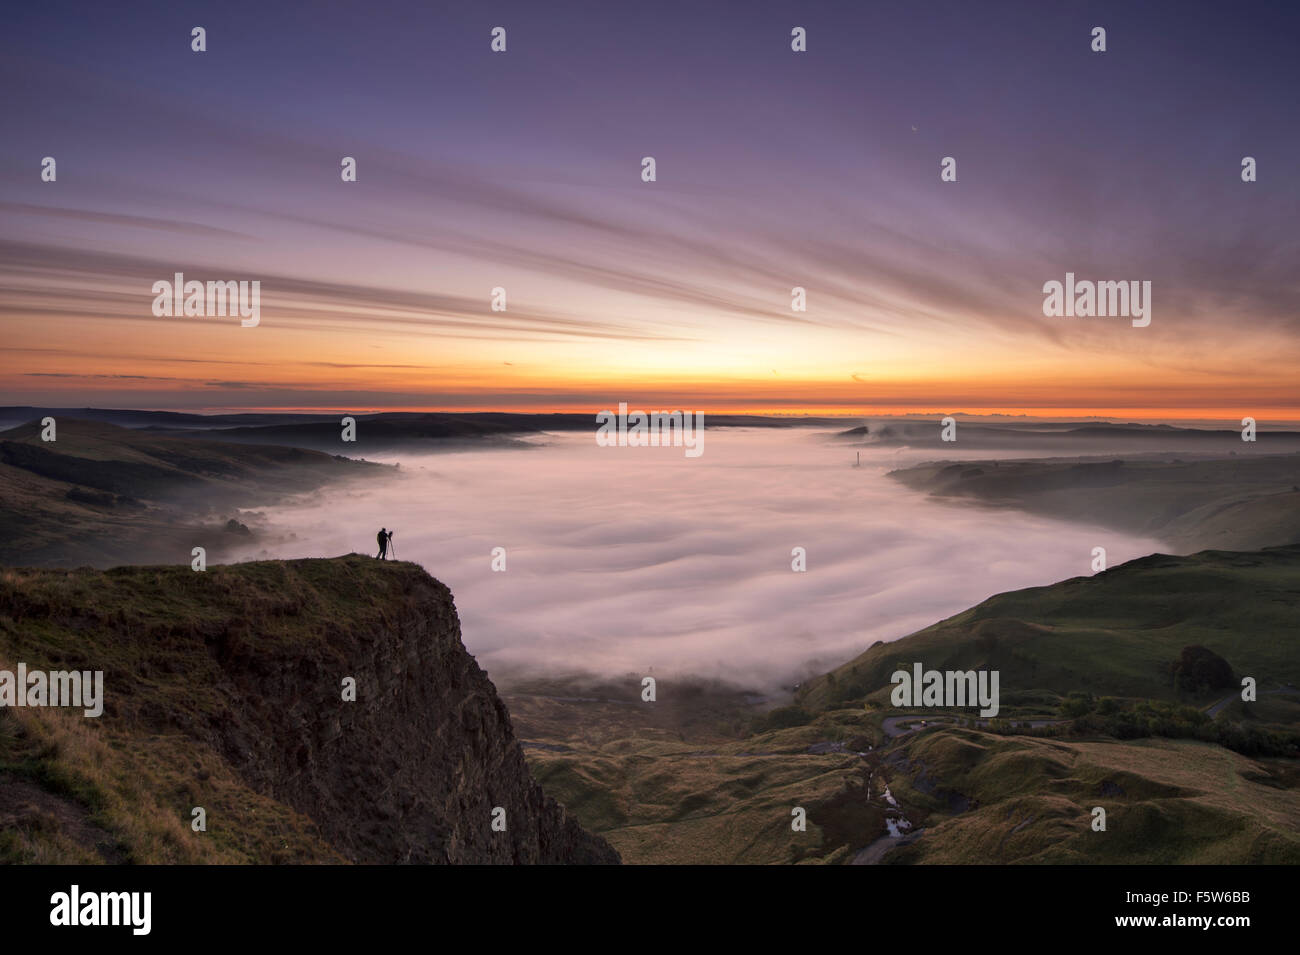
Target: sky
<point>774,169</point>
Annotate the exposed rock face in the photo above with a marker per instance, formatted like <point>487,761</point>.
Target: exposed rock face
<point>251,659</point>
<point>411,771</point>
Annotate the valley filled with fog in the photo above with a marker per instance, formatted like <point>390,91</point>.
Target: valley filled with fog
<point>642,560</point>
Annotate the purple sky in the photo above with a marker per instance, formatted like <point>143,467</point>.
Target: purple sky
<point>775,169</point>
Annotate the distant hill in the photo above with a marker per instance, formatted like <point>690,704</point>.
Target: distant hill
<point>13,415</point>
<point>1042,437</point>
<point>224,690</point>
<point>1237,502</point>
<point>101,494</point>
<point>375,433</point>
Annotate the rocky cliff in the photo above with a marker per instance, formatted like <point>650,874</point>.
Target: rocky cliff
<point>231,689</point>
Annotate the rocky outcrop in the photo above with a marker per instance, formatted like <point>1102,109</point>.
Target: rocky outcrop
<point>413,769</point>
<point>256,662</point>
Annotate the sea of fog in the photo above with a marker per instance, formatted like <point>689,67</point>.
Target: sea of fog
<point>642,560</point>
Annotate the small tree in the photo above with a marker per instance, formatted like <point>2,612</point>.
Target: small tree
<point>1200,670</point>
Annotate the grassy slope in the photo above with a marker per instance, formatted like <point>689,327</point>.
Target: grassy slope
<point>674,787</point>
<point>1030,800</point>
<point>980,797</point>
<point>1110,634</point>
<point>677,781</point>
<point>1166,801</point>
<point>151,464</point>
<point>138,497</point>
<point>121,787</point>
<point>1244,502</point>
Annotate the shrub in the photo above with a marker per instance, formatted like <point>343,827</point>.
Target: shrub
<point>784,717</point>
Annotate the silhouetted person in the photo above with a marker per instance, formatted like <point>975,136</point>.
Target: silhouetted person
<point>383,537</point>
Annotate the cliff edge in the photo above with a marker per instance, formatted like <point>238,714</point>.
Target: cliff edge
<point>314,710</point>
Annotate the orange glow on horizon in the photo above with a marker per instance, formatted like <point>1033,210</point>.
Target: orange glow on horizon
<point>1264,416</point>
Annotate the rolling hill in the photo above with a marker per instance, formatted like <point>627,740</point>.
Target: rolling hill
<point>1237,501</point>
<point>101,494</point>
<point>1114,633</point>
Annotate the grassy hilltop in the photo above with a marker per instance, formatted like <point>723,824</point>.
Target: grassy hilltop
<point>224,690</point>
<point>1112,634</point>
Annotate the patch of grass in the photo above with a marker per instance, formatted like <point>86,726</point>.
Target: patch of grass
<point>172,643</point>
<point>1166,801</point>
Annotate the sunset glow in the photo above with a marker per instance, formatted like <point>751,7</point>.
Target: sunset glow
<point>476,174</point>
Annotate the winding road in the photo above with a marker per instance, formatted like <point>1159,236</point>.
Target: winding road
<point>1216,708</point>
<point>896,726</point>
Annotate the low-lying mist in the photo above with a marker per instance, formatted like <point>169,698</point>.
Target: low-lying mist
<point>643,561</point>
